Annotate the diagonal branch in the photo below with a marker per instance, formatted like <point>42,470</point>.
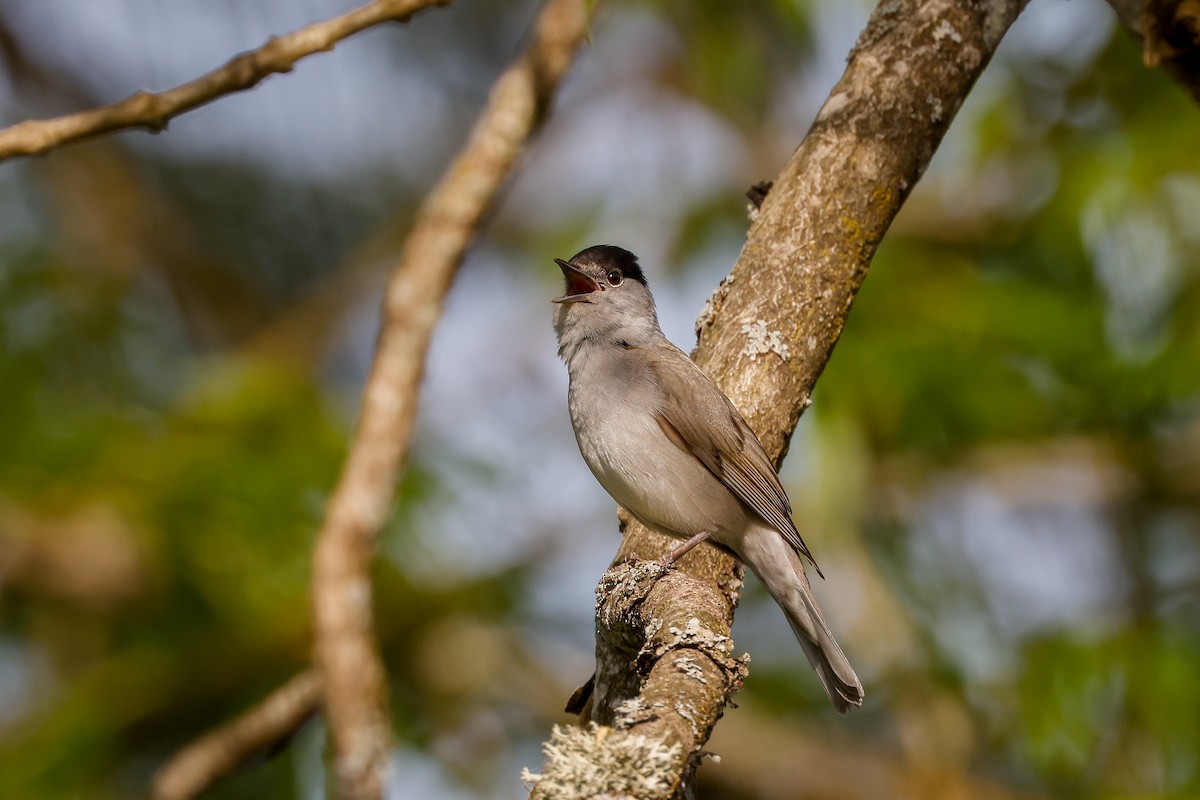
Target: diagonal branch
<point>345,650</point>
<point>194,769</point>
<point>153,111</point>
<point>765,337</point>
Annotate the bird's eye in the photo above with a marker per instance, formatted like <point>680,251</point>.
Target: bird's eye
<point>614,277</point>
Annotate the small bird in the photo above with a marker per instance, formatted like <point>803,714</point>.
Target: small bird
<point>669,446</point>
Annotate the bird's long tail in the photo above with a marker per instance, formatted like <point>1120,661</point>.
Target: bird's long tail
<point>782,572</point>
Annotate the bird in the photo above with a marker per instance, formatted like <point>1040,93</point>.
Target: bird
<point>667,444</point>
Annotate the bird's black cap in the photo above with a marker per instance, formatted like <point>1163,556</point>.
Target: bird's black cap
<point>610,256</point>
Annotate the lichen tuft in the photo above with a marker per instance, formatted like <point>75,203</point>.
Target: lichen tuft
<point>595,762</point>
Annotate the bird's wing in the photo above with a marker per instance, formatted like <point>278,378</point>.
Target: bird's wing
<point>699,419</point>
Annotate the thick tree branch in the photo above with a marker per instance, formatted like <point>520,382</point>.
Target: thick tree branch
<point>1170,34</point>
<point>216,754</point>
<point>771,326</point>
<point>153,111</point>
<point>345,650</point>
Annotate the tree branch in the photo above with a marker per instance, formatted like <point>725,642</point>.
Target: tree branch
<point>1170,35</point>
<point>202,763</point>
<point>345,650</point>
<point>153,111</point>
<point>771,326</point>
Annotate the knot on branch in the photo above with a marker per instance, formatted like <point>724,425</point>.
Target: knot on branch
<point>645,610</point>
<point>149,109</point>
<point>712,306</point>
<point>620,597</point>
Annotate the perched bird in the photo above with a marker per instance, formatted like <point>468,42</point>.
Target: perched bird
<point>666,443</point>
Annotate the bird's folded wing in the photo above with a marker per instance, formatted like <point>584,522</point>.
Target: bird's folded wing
<point>700,420</point>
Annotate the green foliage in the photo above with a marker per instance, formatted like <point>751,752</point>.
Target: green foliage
<point>732,50</point>
<point>1065,313</point>
<point>1112,711</point>
<point>216,485</point>
<point>212,473</point>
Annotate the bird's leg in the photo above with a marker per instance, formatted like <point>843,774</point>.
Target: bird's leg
<point>670,558</point>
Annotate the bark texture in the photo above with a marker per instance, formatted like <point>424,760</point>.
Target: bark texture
<point>766,335</point>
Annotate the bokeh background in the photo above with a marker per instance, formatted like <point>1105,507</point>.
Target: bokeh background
<point>1000,474</point>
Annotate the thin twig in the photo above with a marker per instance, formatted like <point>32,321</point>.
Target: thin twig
<point>345,650</point>
<point>153,111</point>
<point>216,754</point>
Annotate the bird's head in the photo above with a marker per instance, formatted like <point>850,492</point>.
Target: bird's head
<point>606,298</point>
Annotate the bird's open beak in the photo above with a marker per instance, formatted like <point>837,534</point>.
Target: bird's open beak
<point>579,286</point>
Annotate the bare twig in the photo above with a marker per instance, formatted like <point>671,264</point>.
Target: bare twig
<point>345,651</point>
<point>199,765</point>
<point>770,328</point>
<point>106,212</point>
<point>153,111</point>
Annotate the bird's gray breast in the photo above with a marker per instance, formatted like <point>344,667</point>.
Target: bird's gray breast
<point>614,401</point>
